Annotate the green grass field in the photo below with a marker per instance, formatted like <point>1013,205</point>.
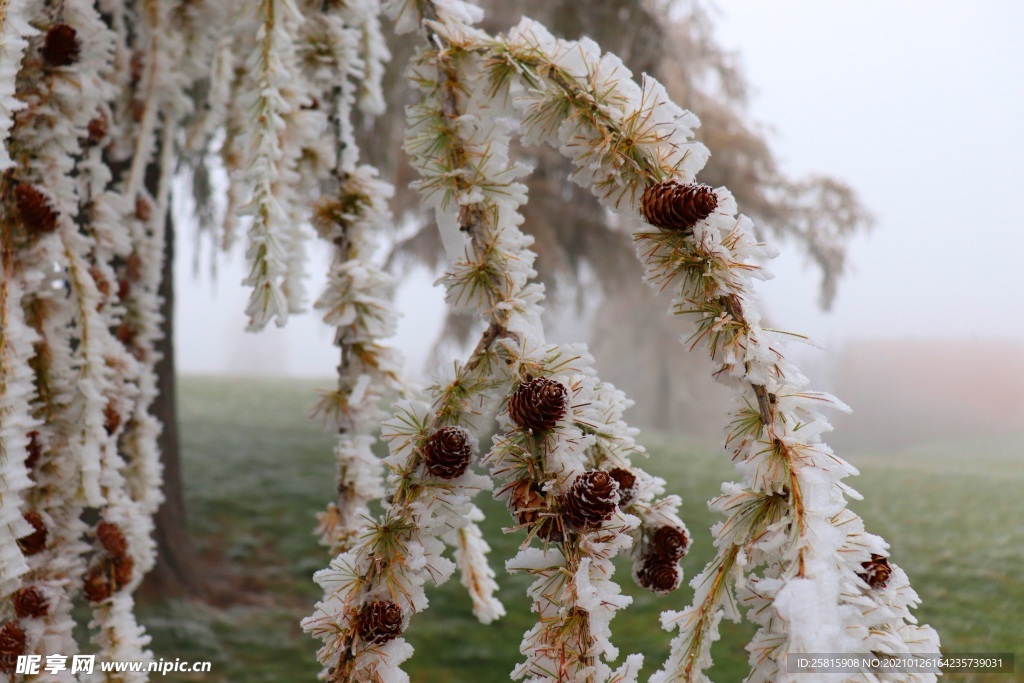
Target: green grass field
<point>257,472</point>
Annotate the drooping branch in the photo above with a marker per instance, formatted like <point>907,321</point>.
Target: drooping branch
<point>460,149</point>
<point>270,161</point>
<point>385,572</point>
<point>65,244</point>
<point>624,138</point>
<point>85,248</point>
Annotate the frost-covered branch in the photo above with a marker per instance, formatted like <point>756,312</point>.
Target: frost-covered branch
<point>270,160</point>
<point>546,459</point>
<point>15,30</point>
<point>71,374</point>
<point>628,140</point>
<point>86,259</point>
<point>356,302</point>
<point>374,588</point>
<point>334,55</point>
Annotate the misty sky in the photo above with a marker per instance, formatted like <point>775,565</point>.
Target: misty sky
<point>918,106</point>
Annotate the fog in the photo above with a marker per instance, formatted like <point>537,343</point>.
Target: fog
<point>919,111</point>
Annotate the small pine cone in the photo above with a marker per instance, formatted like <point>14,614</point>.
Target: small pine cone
<point>133,267</point>
<point>13,644</point>
<point>121,569</point>
<point>102,283</point>
<point>34,207</point>
<point>111,418</point>
<point>35,450</point>
<point>627,485</point>
<point>124,288</point>
<point>143,208</point>
<point>111,538</point>
<point>527,501</point>
<point>35,542</point>
<point>126,334</point>
<point>98,128</point>
<point>591,500</point>
<point>668,544</point>
<point>658,576</point>
<point>97,586</point>
<point>673,206</point>
<point>877,571</point>
<point>138,109</point>
<point>30,603</point>
<point>380,621</point>
<point>538,404</point>
<point>529,505</point>
<point>110,575</point>
<point>61,47</point>
<point>447,452</point>
<point>137,66</point>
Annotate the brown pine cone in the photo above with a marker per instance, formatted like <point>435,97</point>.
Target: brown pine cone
<point>529,504</point>
<point>35,542</point>
<point>591,500</point>
<point>658,576</point>
<point>13,644</point>
<point>877,571</point>
<point>121,569</point>
<point>380,621</point>
<point>102,283</point>
<point>137,66</point>
<point>134,266</point>
<point>98,128</point>
<point>126,334</point>
<point>538,404</point>
<point>35,450</point>
<point>34,208</point>
<point>61,47</point>
<point>668,544</point>
<point>673,206</point>
<point>138,109</point>
<point>627,485</point>
<point>447,452</point>
<point>108,576</point>
<point>143,208</point>
<point>97,583</point>
<point>111,538</point>
<point>111,418</point>
<point>30,603</point>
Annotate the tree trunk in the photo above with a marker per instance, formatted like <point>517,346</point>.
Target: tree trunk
<point>176,572</point>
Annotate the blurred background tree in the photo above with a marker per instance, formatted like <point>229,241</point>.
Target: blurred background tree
<point>586,259</point>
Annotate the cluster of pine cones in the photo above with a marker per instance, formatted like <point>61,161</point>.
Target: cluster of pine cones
<point>114,569</point>
<point>29,602</point>
<point>658,569</point>
<point>109,575</point>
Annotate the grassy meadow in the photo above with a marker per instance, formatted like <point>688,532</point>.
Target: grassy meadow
<point>256,472</point>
